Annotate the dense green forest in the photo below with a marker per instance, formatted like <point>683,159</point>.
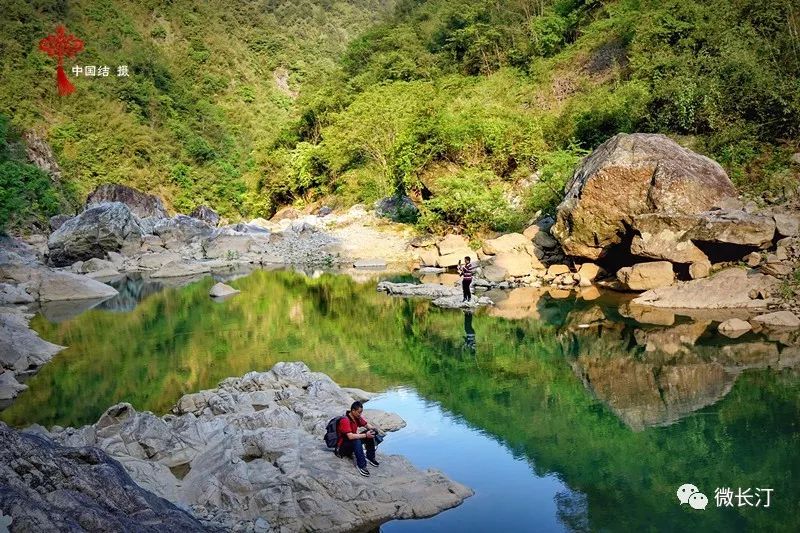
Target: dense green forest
<point>479,110</point>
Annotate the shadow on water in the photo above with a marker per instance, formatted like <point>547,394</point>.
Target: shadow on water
<point>622,411</point>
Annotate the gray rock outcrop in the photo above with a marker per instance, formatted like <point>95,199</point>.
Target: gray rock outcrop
<point>22,351</point>
<point>48,285</point>
<point>99,229</point>
<point>141,204</point>
<point>182,228</point>
<point>48,487</point>
<point>206,214</point>
<point>252,449</point>
<point>442,295</point>
<point>645,276</point>
<point>41,154</point>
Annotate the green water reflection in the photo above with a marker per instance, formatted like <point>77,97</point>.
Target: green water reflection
<point>621,412</point>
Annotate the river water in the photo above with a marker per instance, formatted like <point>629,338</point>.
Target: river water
<point>561,413</point>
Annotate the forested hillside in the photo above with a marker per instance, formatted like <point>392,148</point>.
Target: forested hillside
<point>479,110</point>
<point>211,85</point>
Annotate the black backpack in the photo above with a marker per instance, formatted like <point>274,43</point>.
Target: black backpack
<point>331,432</point>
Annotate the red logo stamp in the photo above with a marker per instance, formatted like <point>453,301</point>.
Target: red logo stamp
<point>59,45</point>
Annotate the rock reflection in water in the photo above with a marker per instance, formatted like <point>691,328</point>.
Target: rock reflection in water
<point>132,289</point>
<point>654,376</point>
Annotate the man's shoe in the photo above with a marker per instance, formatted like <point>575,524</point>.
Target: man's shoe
<point>363,471</point>
<point>373,462</point>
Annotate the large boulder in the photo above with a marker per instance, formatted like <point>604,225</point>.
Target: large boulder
<point>397,208</point>
<point>93,233</point>
<point>630,175</point>
<point>787,224</point>
<point>494,273</point>
<point>453,259</point>
<point>646,276</point>
<point>428,257</point>
<point>65,286</point>
<point>180,270</point>
<point>517,264</point>
<point>206,214</point>
<point>141,204</point>
<point>157,260</point>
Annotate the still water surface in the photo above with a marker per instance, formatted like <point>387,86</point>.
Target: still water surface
<point>561,414</point>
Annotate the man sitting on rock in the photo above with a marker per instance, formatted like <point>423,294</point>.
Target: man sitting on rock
<point>350,439</point>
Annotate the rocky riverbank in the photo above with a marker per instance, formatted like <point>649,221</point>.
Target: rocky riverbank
<point>123,231</point>
<point>643,214</point>
<point>246,456</point>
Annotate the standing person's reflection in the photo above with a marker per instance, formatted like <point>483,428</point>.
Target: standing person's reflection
<point>469,333</point>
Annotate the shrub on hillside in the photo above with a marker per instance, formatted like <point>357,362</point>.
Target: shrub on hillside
<point>468,202</point>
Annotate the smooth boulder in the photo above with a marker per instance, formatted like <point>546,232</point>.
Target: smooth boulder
<point>663,236</point>
<point>736,227</point>
<point>221,290</point>
<point>517,264</point>
<point>48,285</point>
<point>206,214</point>
<point>451,244</point>
<point>510,242</point>
<point>646,276</point>
<point>734,327</point>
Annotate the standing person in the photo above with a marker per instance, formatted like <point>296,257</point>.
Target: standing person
<point>466,271</point>
<point>350,440</point>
